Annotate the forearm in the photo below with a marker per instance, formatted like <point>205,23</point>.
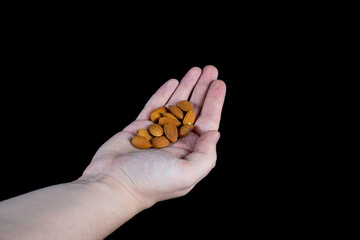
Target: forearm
<point>76,210</point>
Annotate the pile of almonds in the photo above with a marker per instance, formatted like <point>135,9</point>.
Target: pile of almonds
<point>169,124</point>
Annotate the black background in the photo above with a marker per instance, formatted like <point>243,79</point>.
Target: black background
<point>66,90</point>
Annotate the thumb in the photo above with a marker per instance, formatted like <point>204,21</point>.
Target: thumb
<point>204,156</point>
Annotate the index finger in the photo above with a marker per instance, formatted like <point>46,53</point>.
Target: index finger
<point>210,115</point>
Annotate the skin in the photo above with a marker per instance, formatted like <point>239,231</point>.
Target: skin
<point>122,180</point>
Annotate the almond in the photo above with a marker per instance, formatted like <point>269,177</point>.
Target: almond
<point>185,130</point>
<point>170,124</point>
<point>171,131</point>
<point>176,112</point>
<point>140,142</point>
<point>167,114</point>
<point>164,120</point>
<point>156,130</point>
<point>156,114</point>
<point>160,142</point>
<point>185,105</point>
<point>189,118</point>
<point>145,133</point>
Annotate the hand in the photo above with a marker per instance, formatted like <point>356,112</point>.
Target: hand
<point>153,175</point>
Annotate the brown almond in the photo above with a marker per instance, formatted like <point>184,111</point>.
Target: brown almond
<point>145,133</point>
<point>160,142</point>
<point>140,142</point>
<point>156,114</point>
<point>171,131</point>
<point>176,112</point>
<point>185,105</point>
<point>156,130</point>
<point>167,114</point>
<point>164,120</point>
<point>189,118</point>
<point>185,130</point>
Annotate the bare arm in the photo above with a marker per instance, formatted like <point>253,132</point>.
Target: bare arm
<point>75,210</point>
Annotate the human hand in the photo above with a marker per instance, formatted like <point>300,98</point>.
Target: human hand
<point>152,175</point>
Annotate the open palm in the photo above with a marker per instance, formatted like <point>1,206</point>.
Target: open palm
<point>152,175</point>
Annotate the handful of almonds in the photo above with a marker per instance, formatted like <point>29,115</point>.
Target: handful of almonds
<point>169,124</point>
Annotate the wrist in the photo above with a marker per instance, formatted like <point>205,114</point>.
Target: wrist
<point>112,188</point>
